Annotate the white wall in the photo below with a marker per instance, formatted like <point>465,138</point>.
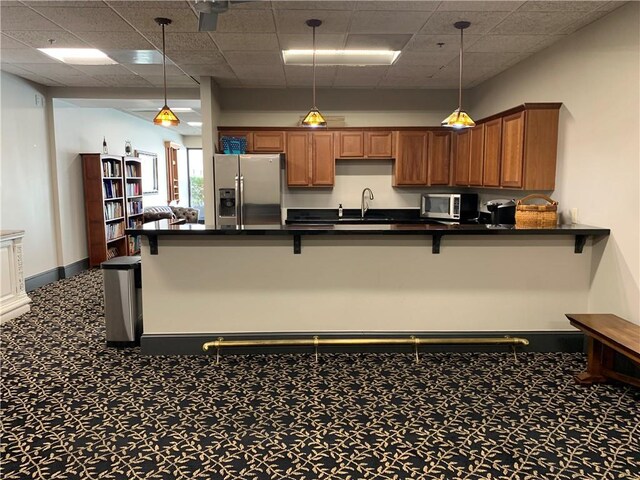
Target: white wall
<point>25,175</point>
<point>80,130</point>
<point>595,74</point>
<point>192,141</point>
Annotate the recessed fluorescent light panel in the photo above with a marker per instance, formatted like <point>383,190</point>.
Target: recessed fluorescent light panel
<point>79,56</point>
<point>194,124</point>
<point>341,57</point>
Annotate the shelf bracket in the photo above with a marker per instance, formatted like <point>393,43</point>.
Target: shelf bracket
<point>435,248</point>
<point>580,241</point>
<point>297,245</point>
<point>153,244</point>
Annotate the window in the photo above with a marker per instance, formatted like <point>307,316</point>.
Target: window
<point>196,179</point>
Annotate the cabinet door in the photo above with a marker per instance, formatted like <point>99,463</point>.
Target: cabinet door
<point>298,151</point>
<point>350,144</point>
<point>462,157</point>
<point>476,155</point>
<point>378,144</point>
<point>411,159</point>
<point>268,142</point>
<point>492,153</point>
<point>323,160</point>
<point>512,150</point>
<point>439,158</point>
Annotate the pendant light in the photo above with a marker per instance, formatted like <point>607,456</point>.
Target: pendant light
<point>165,117</point>
<point>314,118</point>
<point>459,118</point>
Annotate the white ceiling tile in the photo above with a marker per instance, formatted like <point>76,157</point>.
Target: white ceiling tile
<point>80,81</point>
<point>470,72</point>
<point>150,3</point>
<point>411,72</point>
<point>304,41</point>
<point>402,82</point>
<point>253,58</point>
<point>413,58</point>
<point>386,42</point>
<point>253,21</point>
<point>196,57</point>
<point>51,69</point>
<point>172,82</point>
<point>130,40</point>
<point>610,6</point>
<point>182,41</point>
<point>125,81</point>
<point>8,42</point>
<point>313,5</point>
<point>396,6</point>
<point>182,19</point>
<point>359,76</point>
<point>382,22</point>
<point>301,76</point>
<point>488,59</point>
<point>582,22</point>
<point>479,6</point>
<point>240,42</point>
<point>520,23</point>
<point>10,68</point>
<point>481,22</point>
<point>228,82</point>
<point>23,18</point>
<point>294,21</point>
<point>153,69</point>
<point>41,39</point>
<point>430,43</point>
<point>34,77</point>
<point>65,3</point>
<point>99,70</point>
<point>25,55</point>
<point>267,71</point>
<point>89,19</point>
<point>554,6</point>
<point>252,5</point>
<point>217,71</point>
<point>507,43</point>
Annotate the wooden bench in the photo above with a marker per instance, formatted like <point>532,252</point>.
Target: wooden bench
<point>606,335</point>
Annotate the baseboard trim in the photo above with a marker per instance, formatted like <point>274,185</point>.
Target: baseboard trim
<point>55,274</point>
<point>191,344</point>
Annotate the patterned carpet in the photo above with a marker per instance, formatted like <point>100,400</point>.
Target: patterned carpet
<point>72,408</point>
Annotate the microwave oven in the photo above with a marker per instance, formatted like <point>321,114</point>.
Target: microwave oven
<point>449,206</point>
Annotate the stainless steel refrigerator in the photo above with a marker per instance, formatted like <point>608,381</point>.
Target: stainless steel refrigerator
<point>247,189</point>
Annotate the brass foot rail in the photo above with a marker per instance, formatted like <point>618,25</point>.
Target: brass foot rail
<point>317,341</point>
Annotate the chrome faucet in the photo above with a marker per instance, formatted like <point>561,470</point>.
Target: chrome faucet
<point>364,206</point>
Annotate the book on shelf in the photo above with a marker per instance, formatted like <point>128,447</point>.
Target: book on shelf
<point>134,189</point>
<point>111,168</point>
<point>134,207</point>
<point>112,210</point>
<point>133,170</point>
<point>114,230</point>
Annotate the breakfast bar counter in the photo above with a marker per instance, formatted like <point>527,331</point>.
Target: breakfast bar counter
<point>200,283</point>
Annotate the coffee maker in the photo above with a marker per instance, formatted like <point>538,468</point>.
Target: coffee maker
<point>503,212</point>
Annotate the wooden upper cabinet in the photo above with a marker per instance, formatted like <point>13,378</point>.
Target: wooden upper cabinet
<point>462,153</point>
<point>322,159</point>
<point>411,158</point>
<point>378,144</point>
<point>268,142</point>
<point>439,158</point>
<point>298,158</point>
<point>492,153</point>
<point>350,144</point>
<point>476,154</point>
<point>512,150</point>
<point>541,146</point>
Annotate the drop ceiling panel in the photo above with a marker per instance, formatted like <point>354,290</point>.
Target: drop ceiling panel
<point>240,42</point>
<point>196,57</point>
<point>382,22</point>
<point>182,41</point>
<point>172,82</point>
<point>89,19</point>
<point>142,19</point>
<point>293,21</point>
<point>450,43</point>
<point>253,21</point>
<point>8,42</point>
<point>481,22</point>
<point>23,18</point>
<point>522,23</point>
<point>507,43</point>
<point>536,6</point>
<point>375,41</point>
<point>253,58</point>
<point>217,71</point>
<point>41,39</point>
<point>116,40</point>
<point>313,5</point>
<point>359,76</point>
<point>125,81</point>
<point>304,41</point>
<point>414,58</point>
<point>100,70</point>
<point>150,4</point>
<point>25,55</point>
<point>396,6</point>
<point>156,69</point>
<point>301,76</point>
<point>479,6</point>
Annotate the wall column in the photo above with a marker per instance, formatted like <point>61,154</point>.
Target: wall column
<point>210,108</point>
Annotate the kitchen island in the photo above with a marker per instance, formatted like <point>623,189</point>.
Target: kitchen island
<point>200,282</point>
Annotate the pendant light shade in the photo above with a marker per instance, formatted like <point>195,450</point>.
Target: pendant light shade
<point>314,118</point>
<point>459,118</point>
<point>165,117</point>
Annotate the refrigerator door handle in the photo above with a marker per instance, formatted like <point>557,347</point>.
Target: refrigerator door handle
<point>242,200</point>
<point>237,202</point>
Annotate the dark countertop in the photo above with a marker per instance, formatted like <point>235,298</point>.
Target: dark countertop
<point>163,227</point>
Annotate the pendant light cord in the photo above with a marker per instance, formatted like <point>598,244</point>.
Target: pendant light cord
<point>164,66</point>
<point>314,67</point>
<point>460,82</point>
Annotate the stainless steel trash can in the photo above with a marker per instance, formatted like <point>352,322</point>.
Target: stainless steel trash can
<point>122,282</point>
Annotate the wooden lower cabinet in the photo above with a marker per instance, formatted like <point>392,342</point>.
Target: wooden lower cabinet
<point>310,159</point>
<point>492,153</point>
<point>439,158</point>
<point>411,158</point>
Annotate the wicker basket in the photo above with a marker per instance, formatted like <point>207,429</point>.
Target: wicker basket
<point>536,216</point>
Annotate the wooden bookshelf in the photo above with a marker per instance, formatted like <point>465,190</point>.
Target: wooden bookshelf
<point>104,194</point>
<point>133,200</point>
